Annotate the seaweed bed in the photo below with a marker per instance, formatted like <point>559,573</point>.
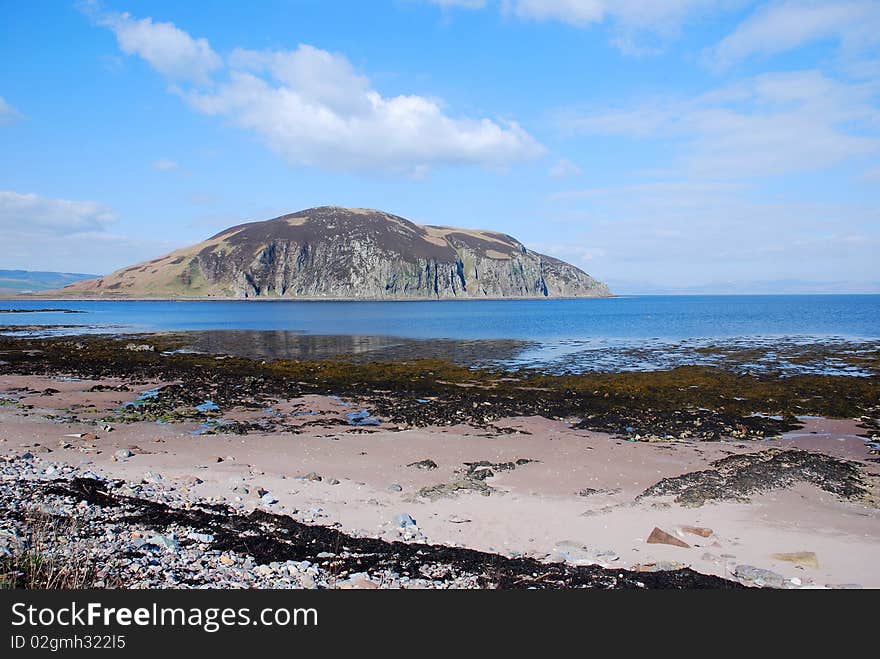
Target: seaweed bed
<point>271,537</point>
<point>737,476</point>
<point>689,402</point>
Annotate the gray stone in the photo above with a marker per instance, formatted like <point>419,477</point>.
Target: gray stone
<point>201,537</point>
<point>761,577</point>
<point>403,520</point>
<point>167,542</point>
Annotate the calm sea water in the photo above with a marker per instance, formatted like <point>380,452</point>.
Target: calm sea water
<point>636,317</point>
<point>556,329</point>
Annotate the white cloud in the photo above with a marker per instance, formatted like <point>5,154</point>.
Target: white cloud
<point>563,168</point>
<point>774,123</point>
<point>167,48</point>
<point>164,165</point>
<point>41,233</point>
<point>682,229</point>
<point>34,213</point>
<point>635,23</point>
<point>312,107</point>
<point>8,114</point>
<point>782,26</point>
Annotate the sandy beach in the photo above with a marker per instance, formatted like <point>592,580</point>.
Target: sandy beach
<point>553,492</point>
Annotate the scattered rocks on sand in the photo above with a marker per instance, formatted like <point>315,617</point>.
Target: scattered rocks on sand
<point>445,490</point>
<point>426,465</point>
<point>575,553</point>
<point>589,491</point>
<point>147,535</point>
<point>762,578</point>
<point>140,347</point>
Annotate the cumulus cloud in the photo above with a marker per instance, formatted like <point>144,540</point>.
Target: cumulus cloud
<point>775,123</point>
<point>313,108</point>
<point>8,114</point>
<point>34,213</point>
<point>167,48</point>
<point>782,26</point>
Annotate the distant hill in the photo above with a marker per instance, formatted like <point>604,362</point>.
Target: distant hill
<point>26,281</point>
<point>347,253</point>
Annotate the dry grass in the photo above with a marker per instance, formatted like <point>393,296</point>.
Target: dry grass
<point>50,556</point>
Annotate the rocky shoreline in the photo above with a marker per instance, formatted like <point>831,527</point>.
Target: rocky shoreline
<point>142,535</point>
<point>158,467</point>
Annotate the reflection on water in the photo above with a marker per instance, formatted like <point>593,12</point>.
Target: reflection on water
<point>279,344</point>
<point>776,355</point>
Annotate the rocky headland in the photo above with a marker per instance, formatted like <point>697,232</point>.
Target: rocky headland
<point>346,253</point>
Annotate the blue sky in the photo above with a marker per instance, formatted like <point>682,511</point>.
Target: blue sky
<point>688,145</point>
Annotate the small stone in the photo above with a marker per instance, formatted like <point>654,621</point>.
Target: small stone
<point>660,566</point>
<point>701,531</point>
<point>802,558</point>
<point>426,465</point>
<point>404,520</point>
<point>167,542</point>
<point>357,582</point>
<point>201,537</point>
<point>268,499</point>
<point>760,577</point>
<point>395,487</point>
<point>225,559</point>
<point>140,347</point>
<point>661,537</point>
<point>123,453</point>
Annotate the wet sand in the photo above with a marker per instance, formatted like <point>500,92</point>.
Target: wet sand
<point>576,499</point>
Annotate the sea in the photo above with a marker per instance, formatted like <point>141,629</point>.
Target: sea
<point>625,332</point>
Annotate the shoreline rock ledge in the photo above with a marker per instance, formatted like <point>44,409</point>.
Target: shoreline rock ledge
<point>346,253</point>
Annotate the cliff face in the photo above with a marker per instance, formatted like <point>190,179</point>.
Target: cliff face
<point>342,253</point>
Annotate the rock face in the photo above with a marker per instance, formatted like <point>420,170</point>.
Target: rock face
<point>343,253</point>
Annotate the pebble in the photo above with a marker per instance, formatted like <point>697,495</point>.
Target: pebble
<point>404,519</point>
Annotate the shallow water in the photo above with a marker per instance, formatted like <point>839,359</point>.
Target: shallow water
<point>635,332</point>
